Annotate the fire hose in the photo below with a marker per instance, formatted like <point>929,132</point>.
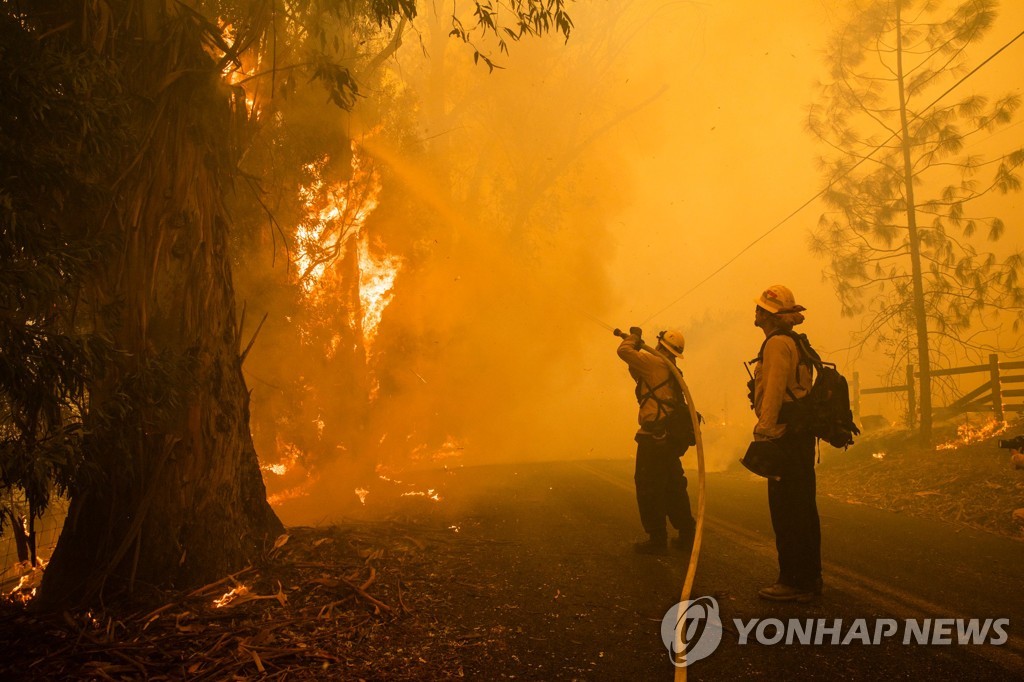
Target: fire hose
<point>691,568</point>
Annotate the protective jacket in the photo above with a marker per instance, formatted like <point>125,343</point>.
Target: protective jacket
<point>779,377</point>
<point>657,391</point>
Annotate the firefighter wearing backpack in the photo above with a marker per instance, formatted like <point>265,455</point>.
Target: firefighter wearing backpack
<point>665,433</point>
<point>782,376</point>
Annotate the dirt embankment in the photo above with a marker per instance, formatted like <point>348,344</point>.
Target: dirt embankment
<point>974,484</point>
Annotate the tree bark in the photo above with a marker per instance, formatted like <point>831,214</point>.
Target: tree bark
<point>177,497</point>
<point>920,313</point>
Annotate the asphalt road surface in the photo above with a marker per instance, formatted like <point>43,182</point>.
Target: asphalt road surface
<point>555,576</point>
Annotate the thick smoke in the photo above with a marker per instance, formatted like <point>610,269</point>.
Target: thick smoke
<point>579,187</point>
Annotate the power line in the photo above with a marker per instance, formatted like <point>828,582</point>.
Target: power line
<point>822,191</point>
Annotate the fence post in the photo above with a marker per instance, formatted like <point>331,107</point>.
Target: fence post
<point>997,391</point>
<point>856,395</point>
<point>911,400</point>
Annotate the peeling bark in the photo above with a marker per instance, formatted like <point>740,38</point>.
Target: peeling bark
<point>179,498</point>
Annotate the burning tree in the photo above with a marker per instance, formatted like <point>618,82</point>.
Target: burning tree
<point>331,302</point>
<point>906,197</point>
<point>351,226</point>
<point>125,123</point>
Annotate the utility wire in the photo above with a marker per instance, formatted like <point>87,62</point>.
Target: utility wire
<point>822,191</point>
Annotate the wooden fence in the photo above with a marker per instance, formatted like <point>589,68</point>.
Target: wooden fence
<point>999,393</point>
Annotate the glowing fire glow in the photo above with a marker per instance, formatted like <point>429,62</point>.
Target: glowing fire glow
<point>362,493</point>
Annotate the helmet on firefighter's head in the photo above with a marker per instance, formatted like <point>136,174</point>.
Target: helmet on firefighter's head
<point>672,340</point>
<point>778,299</point>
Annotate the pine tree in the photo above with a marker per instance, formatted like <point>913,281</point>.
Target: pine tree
<point>905,194</point>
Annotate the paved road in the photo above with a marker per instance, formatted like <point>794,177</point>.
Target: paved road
<point>557,578</point>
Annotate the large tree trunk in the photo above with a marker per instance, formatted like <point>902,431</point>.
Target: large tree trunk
<point>179,498</point>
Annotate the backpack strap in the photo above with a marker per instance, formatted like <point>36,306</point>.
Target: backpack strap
<point>803,348</point>
<point>650,394</point>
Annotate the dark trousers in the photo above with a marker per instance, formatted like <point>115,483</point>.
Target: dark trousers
<point>661,488</point>
<point>794,511</point>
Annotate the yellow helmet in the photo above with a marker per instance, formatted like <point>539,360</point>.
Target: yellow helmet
<point>778,299</point>
<point>673,341</point>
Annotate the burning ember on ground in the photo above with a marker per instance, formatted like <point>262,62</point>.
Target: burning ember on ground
<point>230,596</point>
<point>431,494</point>
<point>968,433</point>
<point>28,583</point>
<point>878,455</point>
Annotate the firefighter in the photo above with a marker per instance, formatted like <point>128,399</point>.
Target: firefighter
<point>665,433</point>
<point>780,378</point>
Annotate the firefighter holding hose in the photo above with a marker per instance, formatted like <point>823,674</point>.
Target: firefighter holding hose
<point>665,433</point>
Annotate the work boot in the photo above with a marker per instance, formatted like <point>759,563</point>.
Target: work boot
<point>683,543</point>
<point>780,592</point>
<point>654,545</point>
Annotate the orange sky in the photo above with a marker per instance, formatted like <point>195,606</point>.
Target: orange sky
<point>673,134</point>
<point>721,156</point>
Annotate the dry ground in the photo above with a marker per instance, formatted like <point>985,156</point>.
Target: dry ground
<point>975,484</point>
<point>341,602</point>
<point>406,597</point>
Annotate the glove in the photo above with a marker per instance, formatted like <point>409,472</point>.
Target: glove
<point>638,333</point>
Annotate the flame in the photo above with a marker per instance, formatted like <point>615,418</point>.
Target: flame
<point>315,235</point>
<point>335,221</point>
<point>230,596</point>
<point>967,434</point>
<point>29,579</point>
<point>377,276</point>
<point>288,454</point>
<point>362,493</point>
<point>234,72</point>
<point>451,447</point>
<point>300,490</point>
<point>382,471</point>
<point>430,494</point>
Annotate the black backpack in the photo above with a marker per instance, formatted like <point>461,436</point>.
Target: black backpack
<point>825,411</point>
